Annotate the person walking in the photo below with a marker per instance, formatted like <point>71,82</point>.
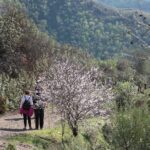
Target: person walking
<point>26,108</point>
<point>38,88</point>
<point>39,106</point>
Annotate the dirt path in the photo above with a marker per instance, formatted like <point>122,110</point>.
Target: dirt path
<point>12,123</point>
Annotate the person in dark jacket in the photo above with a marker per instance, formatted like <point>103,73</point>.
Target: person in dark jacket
<point>39,106</point>
<point>38,88</point>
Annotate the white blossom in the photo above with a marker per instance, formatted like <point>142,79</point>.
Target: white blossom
<point>75,89</point>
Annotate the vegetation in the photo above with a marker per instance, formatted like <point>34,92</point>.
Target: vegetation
<point>103,31</point>
<point>129,128</point>
<point>74,91</point>
<point>81,86</point>
<point>132,129</point>
<point>22,48</point>
<point>89,137</point>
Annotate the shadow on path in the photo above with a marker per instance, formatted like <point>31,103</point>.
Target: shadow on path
<point>14,119</point>
<point>12,130</point>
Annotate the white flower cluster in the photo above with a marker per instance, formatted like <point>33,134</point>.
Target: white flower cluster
<point>75,90</point>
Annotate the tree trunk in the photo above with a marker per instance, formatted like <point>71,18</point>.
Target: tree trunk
<point>145,86</point>
<point>75,131</point>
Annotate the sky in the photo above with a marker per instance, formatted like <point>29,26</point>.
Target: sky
<point>137,4</point>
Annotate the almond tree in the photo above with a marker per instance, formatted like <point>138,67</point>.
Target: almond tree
<point>76,91</point>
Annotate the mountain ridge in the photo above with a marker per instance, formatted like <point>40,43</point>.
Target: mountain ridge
<point>102,30</point>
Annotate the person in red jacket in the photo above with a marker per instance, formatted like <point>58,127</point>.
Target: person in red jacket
<point>26,108</point>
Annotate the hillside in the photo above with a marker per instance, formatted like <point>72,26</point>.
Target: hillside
<point>23,53</point>
<point>88,103</point>
<point>103,30</point>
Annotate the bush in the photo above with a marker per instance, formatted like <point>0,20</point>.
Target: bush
<point>10,147</point>
<point>125,92</point>
<point>131,130</point>
<point>122,65</point>
<point>107,132</point>
<point>2,105</point>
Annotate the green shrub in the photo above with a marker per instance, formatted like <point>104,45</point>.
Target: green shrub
<point>125,92</point>
<point>131,130</point>
<point>107,132</point>
<point>2,105</point>
<point>10,147</point>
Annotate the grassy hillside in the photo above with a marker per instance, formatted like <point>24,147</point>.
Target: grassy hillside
<point>91,137</point>
<point>102,30</point>
<point>23,50</point>
<point>72,80</point>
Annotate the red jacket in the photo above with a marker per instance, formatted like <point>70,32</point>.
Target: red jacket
<point>27,112</point>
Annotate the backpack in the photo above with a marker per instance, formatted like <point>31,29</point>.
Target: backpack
<point>26,105</point>
<point>39,104</point>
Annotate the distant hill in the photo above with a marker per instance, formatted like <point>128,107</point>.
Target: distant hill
<point>103,30</point>
<point>136,4</point>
